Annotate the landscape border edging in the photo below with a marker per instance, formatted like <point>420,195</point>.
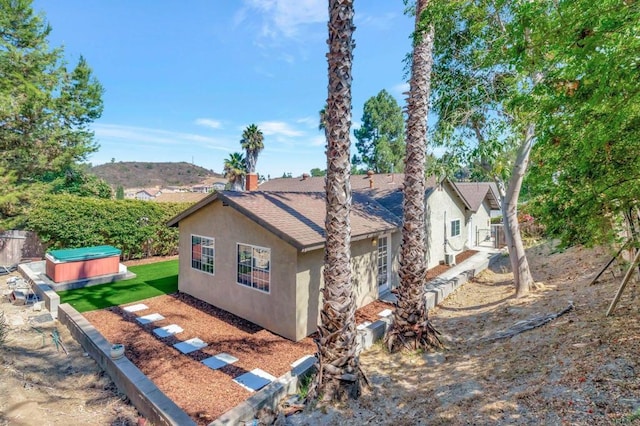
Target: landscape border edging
<point>270,396</point>
<point>150,401</point>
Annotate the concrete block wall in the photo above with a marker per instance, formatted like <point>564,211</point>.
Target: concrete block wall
<point>143,393</point>
<point>31,271</point>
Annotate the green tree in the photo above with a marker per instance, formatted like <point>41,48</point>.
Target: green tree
<point>380,139</point>
<point>119,193</point>
<point>75,180</point>
<point>318,172</point>
<point>235,171</point>
<point>339,374</point>
<point>45,108</point>
<point>253,143</point>
<point>411,328</point>
<point>322,123</point>
<point>487,68</point>
<point>585,175</point>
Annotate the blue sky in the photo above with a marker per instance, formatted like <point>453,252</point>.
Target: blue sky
<point>183,79</point>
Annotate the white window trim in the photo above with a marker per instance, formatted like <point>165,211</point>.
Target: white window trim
<point>387,284</point>
<point>251,287</point>
<point>459,228</point>
<point>214,254</point>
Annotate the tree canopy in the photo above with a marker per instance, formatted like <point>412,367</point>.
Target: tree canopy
<point>586,169</point>
<point>253,143</point>
<point>380,138</point>
<point>45,108</point>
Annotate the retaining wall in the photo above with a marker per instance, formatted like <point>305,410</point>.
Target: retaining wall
<point>144,395</point>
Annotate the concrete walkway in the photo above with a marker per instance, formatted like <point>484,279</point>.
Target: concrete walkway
<point>446,283</point>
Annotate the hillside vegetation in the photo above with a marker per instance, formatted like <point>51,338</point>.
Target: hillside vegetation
<point>133,174</point>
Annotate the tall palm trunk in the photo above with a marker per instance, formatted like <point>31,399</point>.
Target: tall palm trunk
<point>339,375</point>
<point>411,327</point>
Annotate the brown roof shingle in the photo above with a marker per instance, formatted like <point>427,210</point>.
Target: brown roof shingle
<point>180,197</point>
<point>298,217</point>
<point>476,192</point>
<point>316,184</point>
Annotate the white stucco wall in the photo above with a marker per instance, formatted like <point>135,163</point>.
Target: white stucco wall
<point>443,206</point>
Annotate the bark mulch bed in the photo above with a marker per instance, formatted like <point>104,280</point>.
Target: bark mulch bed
<point>203,393</point>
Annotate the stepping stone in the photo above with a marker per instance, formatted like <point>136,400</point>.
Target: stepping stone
<point>218,361</point>
<point>168,330</point>
<point>296,363</point>
<point>190,345</point>
<point>147,319</point>
<point>136,308</point>
<point>363,325</point>
<point>254,380</point>
<point>386,313</point>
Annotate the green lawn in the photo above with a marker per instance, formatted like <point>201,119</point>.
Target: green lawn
<point>153,279</point>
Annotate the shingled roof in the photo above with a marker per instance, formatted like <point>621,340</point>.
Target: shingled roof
<point>316,184</point>
<point>476,192</point>
<point>179,197</point>
<point>298,217</point>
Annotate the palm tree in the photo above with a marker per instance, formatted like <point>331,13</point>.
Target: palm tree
<point>411,327</point>
<point>339,374</point>
<point>252,142</point>
<point>322,124</point>
<point>235,171</point>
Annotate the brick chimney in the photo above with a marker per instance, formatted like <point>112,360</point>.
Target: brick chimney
<point>305,176</point>
<point>370,174</point>
<point>252,181</point>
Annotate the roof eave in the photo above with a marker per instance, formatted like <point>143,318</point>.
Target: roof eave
<point>188,212</point>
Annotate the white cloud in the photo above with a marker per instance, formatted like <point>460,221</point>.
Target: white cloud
<point>400,89</point>
<point>383,22</point>
<point>208,122</point>
<point>318,141</point>
<point>279,128</point>
<point>284,17</point>
<point>136,136</point>
<point>311,122</point>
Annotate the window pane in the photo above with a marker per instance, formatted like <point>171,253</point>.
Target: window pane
<point>254,267</point>
<point>203,254</point>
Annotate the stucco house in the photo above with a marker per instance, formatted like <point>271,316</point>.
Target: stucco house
<point>456,214</point>
<point>483,199</point>
<point>260,255</point>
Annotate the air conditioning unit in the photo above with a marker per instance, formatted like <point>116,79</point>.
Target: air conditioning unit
<point>450,259</point>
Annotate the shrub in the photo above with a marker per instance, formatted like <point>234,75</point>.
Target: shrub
<point>138,228</point>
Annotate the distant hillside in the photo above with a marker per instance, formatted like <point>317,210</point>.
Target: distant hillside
<point>147,175</point>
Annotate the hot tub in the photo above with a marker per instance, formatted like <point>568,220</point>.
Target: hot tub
<point>79,263</point>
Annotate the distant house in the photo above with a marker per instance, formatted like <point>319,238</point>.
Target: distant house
<point>179,197</point>
<point>260,255</point>
<point>147,194</point>
<point>483,199</point>
<point>209,185</point>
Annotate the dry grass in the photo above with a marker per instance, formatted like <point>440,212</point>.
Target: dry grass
<point>581,369</point>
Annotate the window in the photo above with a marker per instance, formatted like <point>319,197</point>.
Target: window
<point>203,254</point>
<point>383,261</point>
<point>455,228</point>
<point>254,266</point>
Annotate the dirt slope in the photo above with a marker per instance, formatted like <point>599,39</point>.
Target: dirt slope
<point>40,385</point>
<point>581,369</point>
